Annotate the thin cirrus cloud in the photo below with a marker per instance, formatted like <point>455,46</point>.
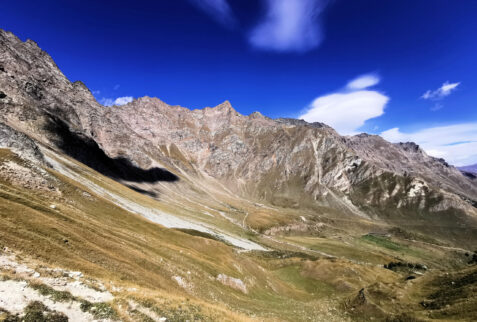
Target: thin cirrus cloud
<point>445,90</point>
<point>219,10</point>
<point>118,101</point>
<point>289,26</point>
<point>346,111</point>
<point>456,143</point>
<point>286,26</point>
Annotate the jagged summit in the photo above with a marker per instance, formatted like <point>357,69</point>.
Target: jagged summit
<point>226,106</point>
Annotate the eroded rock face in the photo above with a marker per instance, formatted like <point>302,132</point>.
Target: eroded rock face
<point>19,143</point>
<point>284,162</point>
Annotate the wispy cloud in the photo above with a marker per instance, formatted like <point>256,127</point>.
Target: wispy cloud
<point>445,90</point>
<point>456,143</point>
<point>437,107</point>
<point>363,81</point>
<point>219,10</point>
<point>289,25</point>
<point>348,110</point>
<point>118,101</point>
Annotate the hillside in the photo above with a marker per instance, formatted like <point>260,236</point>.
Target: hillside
<point>179,214</point>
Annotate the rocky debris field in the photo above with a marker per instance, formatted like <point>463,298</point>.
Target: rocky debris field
<point>25,285</point>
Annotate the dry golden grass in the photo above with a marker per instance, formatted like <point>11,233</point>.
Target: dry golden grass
<point>88,233</point>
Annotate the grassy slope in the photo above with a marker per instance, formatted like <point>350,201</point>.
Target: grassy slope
<point>88,233</point>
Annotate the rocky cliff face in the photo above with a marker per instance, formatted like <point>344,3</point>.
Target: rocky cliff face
<point>284,162</point>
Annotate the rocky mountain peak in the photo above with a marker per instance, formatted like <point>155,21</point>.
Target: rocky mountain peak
<point>224,108</point>
<point>257,115</point>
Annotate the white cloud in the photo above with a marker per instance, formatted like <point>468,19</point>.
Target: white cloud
<point>289,25</point>
<point>347,111</point>
<point>118,101</point>
<point>107,101</point>
<point>456,143</point>
<point>363,82</point>
<point>96,92</point>
<point>217,9</point>
<point>443,91</point>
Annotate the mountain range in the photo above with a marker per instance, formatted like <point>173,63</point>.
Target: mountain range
<point>208,214</point>
<point>469,168</point>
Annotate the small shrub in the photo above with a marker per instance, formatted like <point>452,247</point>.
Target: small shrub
<point>6,316</point>
<point>36,311</point>
<point>85,306</point>
<point>57,296</point>
<point>99,310</point>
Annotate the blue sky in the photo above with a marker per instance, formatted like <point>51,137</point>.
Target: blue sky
<point>405,69</point>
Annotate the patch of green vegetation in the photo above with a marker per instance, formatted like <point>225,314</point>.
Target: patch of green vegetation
<point>85,306</point>
<point>385,242</point>
<point>57,296</point>
<point>100,310</point>
<point>291,274</point>
<point>38,312</point>
<point>279,254</point>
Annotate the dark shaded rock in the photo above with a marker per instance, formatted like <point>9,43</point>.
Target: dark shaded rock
<point>87,151</point>
<point>34,91</point>
<point>404,266</point>
<point>473,260</point>
<point>469,175</point>
<point>410,147</point>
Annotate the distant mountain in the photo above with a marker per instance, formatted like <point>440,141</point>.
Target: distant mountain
<point>469,168</point>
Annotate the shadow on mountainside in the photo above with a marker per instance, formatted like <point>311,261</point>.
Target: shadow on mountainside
<point>149,193</point>
<point>88,152</point>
